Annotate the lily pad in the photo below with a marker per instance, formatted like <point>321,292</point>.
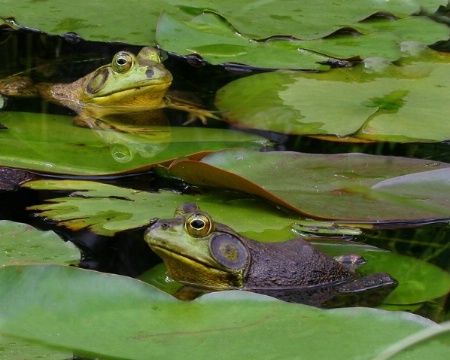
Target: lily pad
<point>13,348</point>
<point>209,35</point>
<point>388,106</point>
<point>217,42</point>
<point>326,186</point>
<point>408,347</point>
<point>309,20</point>
<point>23,244</point>
<point>418,280</point>
<point>107,209</point>
<point>51,143</point>
<point>206,326</point>
<point>83,18</point>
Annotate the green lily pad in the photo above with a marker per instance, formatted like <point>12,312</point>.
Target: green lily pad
<point>406,29</point>
<point>214,40</point>
<point>418,280</point>
<point>309,19</point>
<point>107,209</point>
<point>387,106</point>
<point>51,143</point>
<point>22,244</point>
<point>326,186</point>
<point>82,17</point>
<point>217,41</point>
<point>137,315</point>
<point>408,347</point>
<point>192,27</point>
<point>13,348</point>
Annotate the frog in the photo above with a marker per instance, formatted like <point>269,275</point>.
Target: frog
<point>206,254</point>
<point>129,84</point>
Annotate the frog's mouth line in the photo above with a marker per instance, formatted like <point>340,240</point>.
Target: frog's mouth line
<point>178,255</point>
<point>134,88</point>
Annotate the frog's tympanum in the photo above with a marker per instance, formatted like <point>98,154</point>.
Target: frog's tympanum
<point>129,84</point>
<point>207,254</point>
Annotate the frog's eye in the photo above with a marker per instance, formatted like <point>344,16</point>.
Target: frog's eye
<point>198,225</point>
<point>122,62</point>
<point>229,251</point>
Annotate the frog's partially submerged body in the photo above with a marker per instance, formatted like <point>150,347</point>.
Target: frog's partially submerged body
<point>208,254</point>
<point>129,84</point>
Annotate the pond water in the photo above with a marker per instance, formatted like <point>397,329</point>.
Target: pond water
<point>55,59</point>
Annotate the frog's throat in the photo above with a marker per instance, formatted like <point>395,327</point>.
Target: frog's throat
<point>193,271</point>
<point>156,87</point>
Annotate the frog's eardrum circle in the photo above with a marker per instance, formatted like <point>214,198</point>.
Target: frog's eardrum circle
<point>229,251</point>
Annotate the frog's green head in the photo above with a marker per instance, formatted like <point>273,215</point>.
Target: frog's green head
<point>198,251</point>
<point>129,80</point>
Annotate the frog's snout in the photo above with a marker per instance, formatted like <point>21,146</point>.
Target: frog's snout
<point>153,221</point>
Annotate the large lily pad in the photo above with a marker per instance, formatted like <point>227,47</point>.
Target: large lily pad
<point>51,143</point>
<point>328,186</point>
<point>406,103</point>
<point>143,322</point>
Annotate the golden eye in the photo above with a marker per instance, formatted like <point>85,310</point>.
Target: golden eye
<point>122,62</point>
<point>198,225</point>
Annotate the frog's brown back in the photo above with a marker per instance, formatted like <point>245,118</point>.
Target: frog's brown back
<point>291,264</point>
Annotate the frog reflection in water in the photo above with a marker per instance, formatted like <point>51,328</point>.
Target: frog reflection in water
<point>211,255</point>
<point>129,84</point>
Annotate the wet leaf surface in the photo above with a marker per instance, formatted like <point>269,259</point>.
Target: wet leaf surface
<point>143,322</point>
<point>210,28</point>
<point>23,244</point>
<point>51,143</point>
<point>327,186</point>
<point>107,209</point>
<point>402,103</point>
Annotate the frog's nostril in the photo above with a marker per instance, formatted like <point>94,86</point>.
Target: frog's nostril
<point>165,226</point>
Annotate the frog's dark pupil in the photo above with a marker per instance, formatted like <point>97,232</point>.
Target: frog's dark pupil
<point>198,224</point>
<point>121,61</point>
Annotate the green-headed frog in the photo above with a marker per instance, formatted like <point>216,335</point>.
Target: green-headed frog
<point>208,254</point>
<point>129,84</point>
